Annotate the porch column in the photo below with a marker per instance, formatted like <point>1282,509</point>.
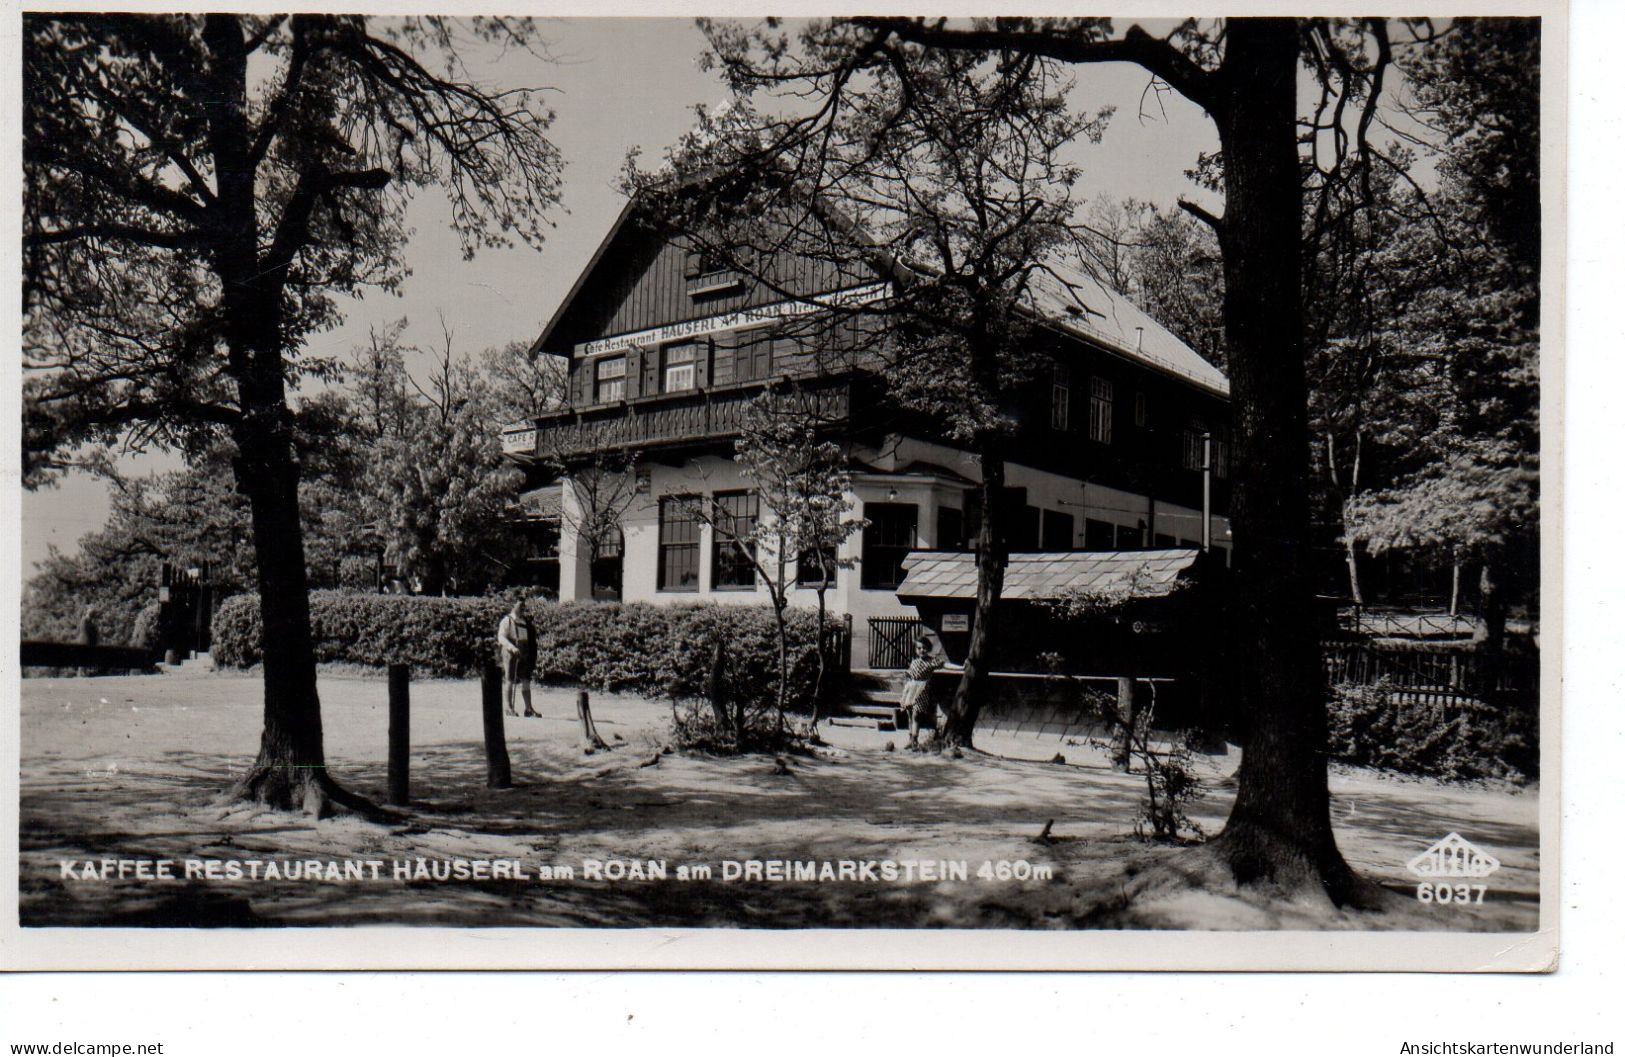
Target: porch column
<point>575,556</point>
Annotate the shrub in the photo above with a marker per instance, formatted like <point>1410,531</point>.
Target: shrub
<point>144,632</point>
<point>657,651</point>
<point>1372,726</point>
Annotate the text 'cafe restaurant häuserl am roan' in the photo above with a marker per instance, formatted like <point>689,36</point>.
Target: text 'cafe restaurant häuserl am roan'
<point>663,354</point>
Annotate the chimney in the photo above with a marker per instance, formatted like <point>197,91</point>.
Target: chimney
<point>1139,339</point>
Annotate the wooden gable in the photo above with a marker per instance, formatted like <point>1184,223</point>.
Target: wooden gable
<point>641,279</point>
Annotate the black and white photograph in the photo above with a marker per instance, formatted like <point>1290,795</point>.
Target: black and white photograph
<point>870,491</point>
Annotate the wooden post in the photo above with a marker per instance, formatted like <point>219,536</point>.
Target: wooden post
<point>400,727</point>
<point>498,771</point>
<point>1125,722</point>
<point>590,741</point>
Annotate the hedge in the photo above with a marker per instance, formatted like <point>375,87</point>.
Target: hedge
<point>1371,726</point>
<point>657,651</point>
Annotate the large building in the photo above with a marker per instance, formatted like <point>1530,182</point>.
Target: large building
<point>663,351</point>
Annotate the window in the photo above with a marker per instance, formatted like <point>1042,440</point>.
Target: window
<point>1060,405</point>
<point>1060,531</point>
<point>887,538</point>
<point>810,572</point>
<point>707,274</point>
<point>1026,535</point>
<point>1221,452</point>
<point>678,371</point>
<point>1100,410</point>
<point>1099,535</point>
<point>679,544</point>
<point>606,567</point>
<point>609,379</point>
<point>733,550</point>
<point>1128,538</point>
<point>1194,431</point>
<point>950,529</point>
<point>1142,411</point>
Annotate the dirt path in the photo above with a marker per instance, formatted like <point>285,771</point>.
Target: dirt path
<point>124,768</point>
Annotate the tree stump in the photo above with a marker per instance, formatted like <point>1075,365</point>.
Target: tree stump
<point>590,741</point>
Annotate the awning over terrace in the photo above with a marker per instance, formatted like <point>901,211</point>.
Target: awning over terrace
<point>1048,575</point>
<point>541,504</point>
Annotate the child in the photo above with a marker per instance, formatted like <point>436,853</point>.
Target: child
<point>917,688</point>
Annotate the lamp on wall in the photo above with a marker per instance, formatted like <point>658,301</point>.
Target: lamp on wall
<point>891,495</point>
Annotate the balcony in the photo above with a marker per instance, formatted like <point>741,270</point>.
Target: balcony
<point>695,418</point>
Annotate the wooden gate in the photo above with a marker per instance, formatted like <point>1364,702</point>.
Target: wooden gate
<point>891,641</point>
<point>186,606</point>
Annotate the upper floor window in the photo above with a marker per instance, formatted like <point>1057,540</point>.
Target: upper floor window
<point>707,274</point>
<point>1220,438</point>
<point>1060,405</point>
<point>678,370</point>
<point>1195,430</point>
<point>733,543</point>
<point>609,379</point>
<point>1100,410</point>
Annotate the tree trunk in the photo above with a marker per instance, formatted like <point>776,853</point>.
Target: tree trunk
<point>1279,829</point>
<point>819,673</point>
<point>960,722</point>
<point>1489,638</point>
<point>714,691</point>
<point>290,770</point>
<point>1351,559</point>
<point>782,697</point>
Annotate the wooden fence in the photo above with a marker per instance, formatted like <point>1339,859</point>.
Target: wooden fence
<point>38,654</point>
<point>1424,676</point>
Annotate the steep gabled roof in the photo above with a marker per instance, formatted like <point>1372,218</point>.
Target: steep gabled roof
<point>1077,302</point>
<point>1066,297</point>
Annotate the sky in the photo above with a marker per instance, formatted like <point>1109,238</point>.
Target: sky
<point>617,84</point>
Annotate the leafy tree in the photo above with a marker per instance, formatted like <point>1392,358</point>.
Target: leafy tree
<point>524,385</point>
<point>442,494</point>
<point>198,191</point>
<point>938,171</point>
<point>1464,311</point>
<point>804,489</point>
<point>183,518</point>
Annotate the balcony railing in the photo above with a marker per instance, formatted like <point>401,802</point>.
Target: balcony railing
<point>666,420</point>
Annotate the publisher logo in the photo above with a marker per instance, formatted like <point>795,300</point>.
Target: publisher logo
<point>1454,856</point>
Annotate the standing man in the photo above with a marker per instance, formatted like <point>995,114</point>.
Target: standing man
<point>516,637</point>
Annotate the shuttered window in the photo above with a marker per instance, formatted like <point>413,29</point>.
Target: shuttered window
<point>609,379</point>
<point>679,368</point>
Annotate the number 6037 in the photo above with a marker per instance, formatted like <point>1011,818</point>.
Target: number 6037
<point>1459,894</point>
